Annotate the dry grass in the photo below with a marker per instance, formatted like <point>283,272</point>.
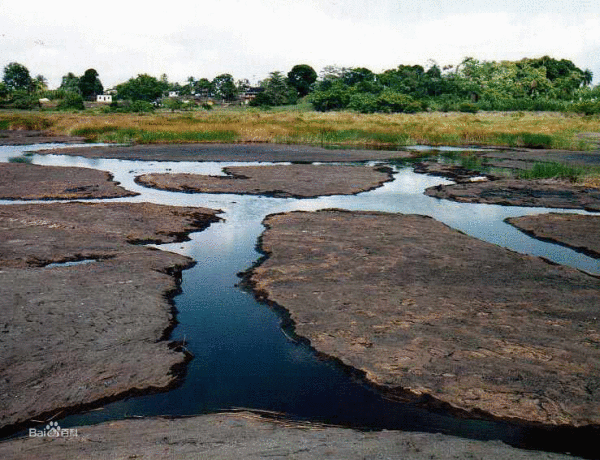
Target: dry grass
<point>591,181</point>
<point>347,129</point>
<point>549,130</point>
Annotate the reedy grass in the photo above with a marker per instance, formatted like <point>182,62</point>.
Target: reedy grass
<point>291,125</point>
<point>23,159</point>
<point>552,170</point>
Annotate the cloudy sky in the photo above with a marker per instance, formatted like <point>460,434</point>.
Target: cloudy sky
<point>251,38</point>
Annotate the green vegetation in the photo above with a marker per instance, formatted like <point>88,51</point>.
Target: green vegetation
<point>71,101</point>
<point>301,77</point>
<point>140,136</point>
<point>472,86</point>
<point>224,87</point>
<point>20,160</point>
<point>551,170</point>
<point>23,100</point>
<point>16,77</point>
<point>529,84</point>
<point>142,88</point>
<point>275,91</point>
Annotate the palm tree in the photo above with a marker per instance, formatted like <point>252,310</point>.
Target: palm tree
<point>39,83</point>
<point>586,77</point>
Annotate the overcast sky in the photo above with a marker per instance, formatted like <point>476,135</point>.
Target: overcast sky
<point>250,38</point>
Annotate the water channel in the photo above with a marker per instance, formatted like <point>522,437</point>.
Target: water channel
<point>243,358</point>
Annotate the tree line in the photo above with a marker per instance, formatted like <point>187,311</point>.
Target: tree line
<point>528,84</point>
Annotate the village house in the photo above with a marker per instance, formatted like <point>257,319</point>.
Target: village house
<point>106,98</point>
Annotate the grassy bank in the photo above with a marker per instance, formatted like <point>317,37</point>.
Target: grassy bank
<point>521,129</point>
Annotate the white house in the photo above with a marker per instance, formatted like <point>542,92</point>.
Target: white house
<point>104,98</point>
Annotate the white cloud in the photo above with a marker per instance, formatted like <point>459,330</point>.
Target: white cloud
<point>255,37</point>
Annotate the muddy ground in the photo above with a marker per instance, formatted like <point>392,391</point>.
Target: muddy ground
<point>580,232</point>
<point>231,152</point>
<point>529,156</point>
<point>71,336</point>
<point>301,181</point>
<point>21,181</point>
<point>426,310</point>
<point>498,189</point>
<point>30,137</point>
<point>67,341</point>
<point>548,193</point>
<point>247,436</point>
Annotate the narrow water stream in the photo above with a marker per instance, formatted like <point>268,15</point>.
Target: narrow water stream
<point>242,356</point>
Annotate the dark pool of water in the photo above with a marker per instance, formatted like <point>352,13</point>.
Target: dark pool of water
<point>242,356</point>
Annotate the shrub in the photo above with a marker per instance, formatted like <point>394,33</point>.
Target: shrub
<point>129,107</point>
<point>172,104</point>
<point>24,160</point>
<point>24,101</point>
<point>71,101</point>
<point>141,107</point>
<point>415,106</point>
<point>363,103</point>
<point>334,98</point>
<point>468,107</point>
<point>587,107</point>
<point>390,102</point>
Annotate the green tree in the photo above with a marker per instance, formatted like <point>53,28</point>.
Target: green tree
<point>276,91</point>
<point>173,103</point>
<point>587,77</point>
<point>331,95</point>
<point>16,77</point>
<point>90,85</point>
<point>70,82</point>
<point>406,79</point>
<point>224,87</point>
<point>301,77</point>
<point>39,83</point>
<point>189,88</point>
<point>142,88</point>
<point>204,87</point>
<point>3,90</point>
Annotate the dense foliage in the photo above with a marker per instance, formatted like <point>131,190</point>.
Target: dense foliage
<point>223,87</point>
<point>16,77</point>
<point>142,88</point>
<point>90,85</point>
<point>71,101</point>
<point>301,77</point>
<point>530,84</point>
<point>275,91</point>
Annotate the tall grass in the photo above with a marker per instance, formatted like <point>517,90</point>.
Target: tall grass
<point>24,121</point>
<point>523,129</point>
<point>551,170</point>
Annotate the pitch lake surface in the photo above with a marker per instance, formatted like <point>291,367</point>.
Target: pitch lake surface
<point>243,358</point>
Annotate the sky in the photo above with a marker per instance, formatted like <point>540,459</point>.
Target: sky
<point>251,38</point>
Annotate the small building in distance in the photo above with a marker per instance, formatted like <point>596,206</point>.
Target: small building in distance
<point>250,94</point>
<point>105,98</point>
